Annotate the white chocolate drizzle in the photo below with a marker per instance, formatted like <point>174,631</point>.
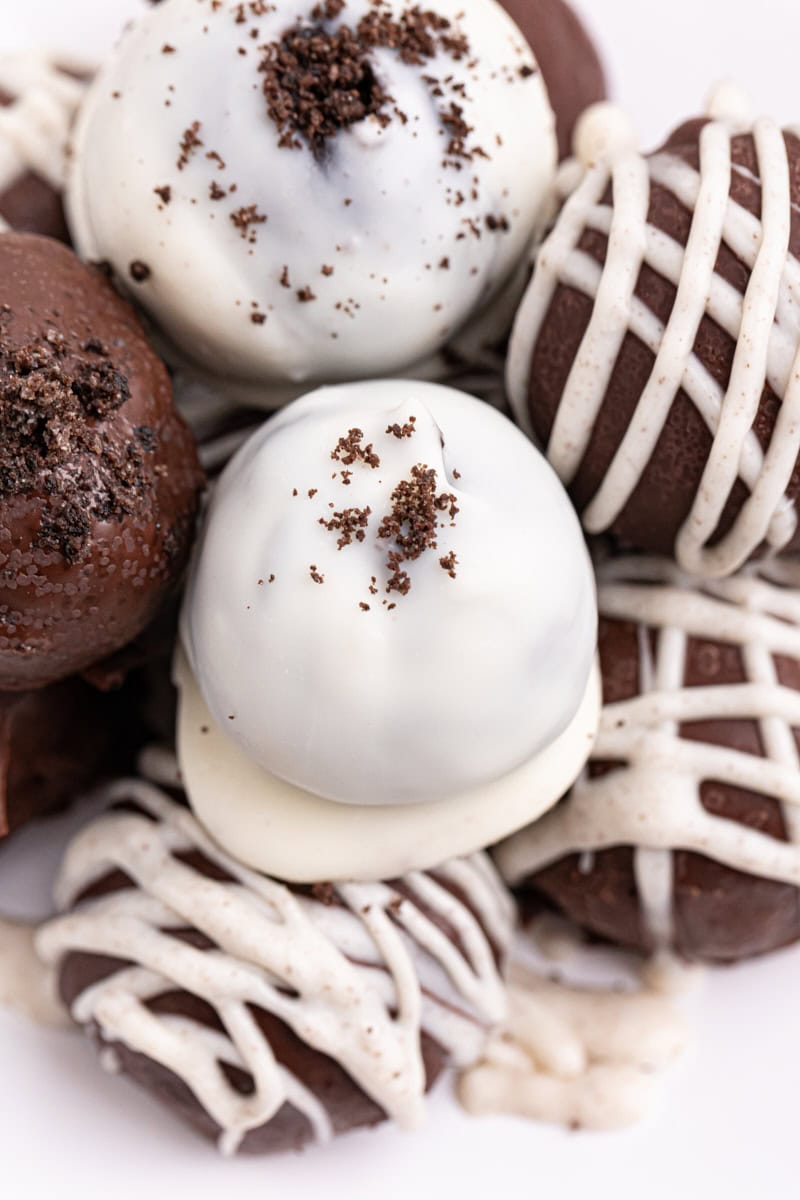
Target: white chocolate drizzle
<point>35,128</point>
<point>764,323</point>
<point>652,802</point>
<point>358,978</point>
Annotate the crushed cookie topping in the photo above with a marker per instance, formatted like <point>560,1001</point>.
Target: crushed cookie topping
<point>349,450</point>
<point>412,523</point>
<point>55,397</point>
<point>403,431</point>
<point>351,525</point>
<point>318,77</point>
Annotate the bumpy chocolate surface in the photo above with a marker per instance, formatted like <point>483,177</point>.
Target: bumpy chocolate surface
<point>99,477</point>
<point>667,487</point>
<point>567,58</point>
<point>717,912</point>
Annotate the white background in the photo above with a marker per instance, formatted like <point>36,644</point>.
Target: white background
<point>728,1123</point>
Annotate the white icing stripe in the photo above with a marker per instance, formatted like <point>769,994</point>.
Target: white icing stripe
<point>764,324</point>
<point>35,128</point>
<point>653,801</point>
<point>358,979</point>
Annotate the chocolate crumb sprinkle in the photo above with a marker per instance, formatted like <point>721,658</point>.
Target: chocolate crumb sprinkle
<point>349,450</point>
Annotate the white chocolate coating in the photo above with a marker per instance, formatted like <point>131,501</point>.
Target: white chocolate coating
<point>358,979</point>
<point>34,129</point>
<point>382,210</point>
<point>587,1058</point>
<point>653,800</point>
<point>294,835</point>
<point>764,323</point>
<point>335,683</point>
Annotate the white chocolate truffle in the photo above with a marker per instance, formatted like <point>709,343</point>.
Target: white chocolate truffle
<point>391,602</point>
<point>268,255</point>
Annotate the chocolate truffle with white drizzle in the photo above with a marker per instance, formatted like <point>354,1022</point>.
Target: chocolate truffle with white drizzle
<point>684,832</point>
<point>38,102</point>
<point>657,352</point>
<point>270,1016</point>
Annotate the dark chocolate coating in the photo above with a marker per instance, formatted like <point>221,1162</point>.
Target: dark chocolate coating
<point>99,477</point>
<point>663,497</point>
<point>567,58</point>
<point>720,914</point>
<point>348,1106</point>
<point>31,205</point>
<point>55,743</point>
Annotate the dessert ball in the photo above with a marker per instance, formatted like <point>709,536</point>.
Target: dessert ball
<point>656,352</point>
<point>267,1016</point>
<point>566,56</point>
<point>38,102</point>
<point>55,742</point>
<point>99,476</point>
<point>684,832</point>
<point>367,613</point>
<point>362,178</point>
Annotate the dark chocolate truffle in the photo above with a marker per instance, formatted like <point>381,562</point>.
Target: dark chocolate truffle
<point>55,742</point>
<point>270,1016</point>
<point>99,477</point>
<point>38,102</point>
<point>684,833</point>
<point>567,58</point>
<point>656,351</point>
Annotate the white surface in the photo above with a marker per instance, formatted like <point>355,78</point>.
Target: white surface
<point>727,1125</point>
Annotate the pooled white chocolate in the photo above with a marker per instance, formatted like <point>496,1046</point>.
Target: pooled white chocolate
<point>589,1058</point>
<point>391,602</point>
<point>275,261</point>
<point>357,973</point>
<point>27,986</point>
<point>763,322</point>
<point>294,835</point>
<point>652,801</point>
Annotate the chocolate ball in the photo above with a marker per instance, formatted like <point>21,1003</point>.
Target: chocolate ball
<point>99,478</point>
<point>567,57</point>
<point>303,1011</point>
<point>655,351</point>
<point>56,742</point>
<point>685,831</point>
<point>38,102</point>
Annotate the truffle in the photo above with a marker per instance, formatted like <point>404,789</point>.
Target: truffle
<point>365,620</point>
<point>416,136</point>
<point>38,101</point>
<point>684,832</point>
<point>655,353</point>
<point>99,478</point>
<point>567,57</point>
<point>55,743</point>
<point>266,1016</point>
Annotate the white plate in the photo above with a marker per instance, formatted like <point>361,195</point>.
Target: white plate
<point>727,1124</point>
